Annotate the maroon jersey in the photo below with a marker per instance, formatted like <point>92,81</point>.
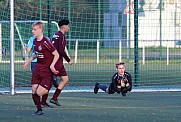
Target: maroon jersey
<point>44,49</point>
<point>59,42</point>
<point>42,74</point>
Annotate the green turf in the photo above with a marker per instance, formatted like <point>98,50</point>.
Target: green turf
<point>88,107</point>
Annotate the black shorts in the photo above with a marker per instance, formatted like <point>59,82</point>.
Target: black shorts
<point>33,64</point>
<point>111,90</point>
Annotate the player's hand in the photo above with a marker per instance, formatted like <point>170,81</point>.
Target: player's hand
<point>70,62</point>
<point>54,70</point>
<point>127,84</point>
<point>119,87</point>
<point>25,65</point>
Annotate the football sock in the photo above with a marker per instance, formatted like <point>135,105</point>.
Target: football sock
<point>36,100</point>
<point>56,94</point>
<point>103,87</point>
<point>44,99</point>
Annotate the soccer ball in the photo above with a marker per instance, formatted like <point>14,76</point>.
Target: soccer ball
<point>122,83</point>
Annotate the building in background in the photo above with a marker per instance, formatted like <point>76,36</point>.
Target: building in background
<point>156,26</point>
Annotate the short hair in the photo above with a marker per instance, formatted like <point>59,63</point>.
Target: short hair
<point>119,63</point>
<point>39,23</point>
<point>63,22</point>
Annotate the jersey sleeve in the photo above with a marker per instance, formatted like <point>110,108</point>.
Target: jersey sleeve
<point>62,51</point>
<point>114,81</point>
<point>129,81</point>
<point>30,45</point>
<point>59,43</point>
<point>30,42</point>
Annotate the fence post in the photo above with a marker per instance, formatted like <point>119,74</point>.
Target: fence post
<point>0,43</point>
<point>12,50</point>
<point>143,54</point>
<point>76,48</point>
<point>120,50</point>
<point>97,51</point>
<point>167,55</point>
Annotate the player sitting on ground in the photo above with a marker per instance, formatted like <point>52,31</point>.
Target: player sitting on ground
<point>121,82</point>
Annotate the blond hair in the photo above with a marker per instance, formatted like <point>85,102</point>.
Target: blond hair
<point>39,24</point>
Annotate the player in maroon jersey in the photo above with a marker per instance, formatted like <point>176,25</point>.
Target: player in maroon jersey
<point>47,56</point>
<point>59,42</point>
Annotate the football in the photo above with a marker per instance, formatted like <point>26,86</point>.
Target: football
<point>122,83</point>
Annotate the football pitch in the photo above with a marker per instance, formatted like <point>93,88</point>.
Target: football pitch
<point>90,107</point>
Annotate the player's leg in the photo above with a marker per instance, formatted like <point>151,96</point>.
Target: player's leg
<point>96,88</point>
<point>64,81</point>
<point>55,81</point>
<point>61,85</point>
<point>44,103</point>
<point>41,90</point>
<point>44,99</point>
<point>33,65</point>
<point>36,99</point>
<point>125,90</point>
<point>100,86</point>
<point>44,87</point>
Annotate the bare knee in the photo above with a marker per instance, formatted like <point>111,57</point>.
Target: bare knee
<point>63,82</point>
<point>41,91</point>
<point>65,79</point>
<point>34,88</point>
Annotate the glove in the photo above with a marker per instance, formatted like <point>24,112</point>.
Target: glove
<point>119,78</point>
<point>124,81</point>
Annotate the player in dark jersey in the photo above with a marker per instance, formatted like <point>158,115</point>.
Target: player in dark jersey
<point>47,56</point>
<point>59,42</point>
<point>121,82</point>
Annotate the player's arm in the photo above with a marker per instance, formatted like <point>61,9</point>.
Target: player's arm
<point>30,44</point>
<point>29,60</point>
<point>114,80</point>
<point>55,59</point>
<point>130,82</point>
<point>28,49</point>
<point>63,52</point>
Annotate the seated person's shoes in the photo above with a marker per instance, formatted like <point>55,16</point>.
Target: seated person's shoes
<point>124,94</point>
<point>96,88</point>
